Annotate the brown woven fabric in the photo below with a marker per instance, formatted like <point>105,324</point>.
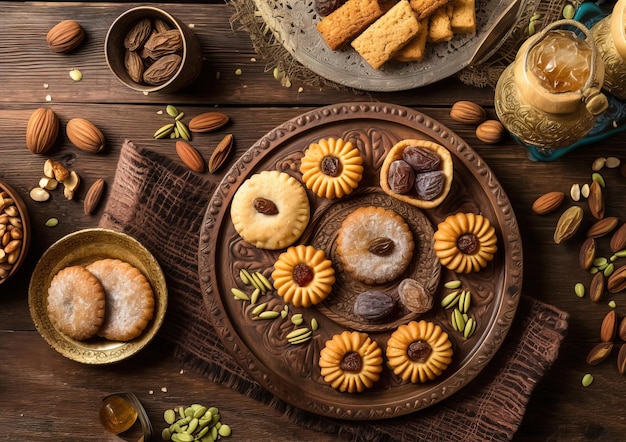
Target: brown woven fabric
<point>162,204</point>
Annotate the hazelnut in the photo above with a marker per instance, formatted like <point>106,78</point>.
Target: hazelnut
<point>490,131</point>
<point>468,112</point>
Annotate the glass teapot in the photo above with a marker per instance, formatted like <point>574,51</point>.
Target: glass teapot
<point>550,95</point>
<point>609,35</point>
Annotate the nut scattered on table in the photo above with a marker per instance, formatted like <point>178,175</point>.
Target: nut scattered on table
<point>93,196</point>
<point>85,135</point>
<point>208,121</point>
<point>468,112</point>
<point>190,156</point>
<point>548,203</point>
<point>221,153</point>
<point>65,36</point>
<point>490,131</point>
<point>42,130</point>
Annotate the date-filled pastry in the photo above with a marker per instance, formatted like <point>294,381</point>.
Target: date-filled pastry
<point>270,210</point>
<point>303,275</point>
<point>417,172</point>
<point>332,168</point>
<point>351,361</point>
<point>465,242</point>
<point>419,351</point>
<point>375,245</point>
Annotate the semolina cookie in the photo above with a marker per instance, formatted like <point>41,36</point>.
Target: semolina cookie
<point>270,210</point>
<point>332,167</point>
<point>375,244</point>
<point>303,275</point>
<point>351,362</point>
<point>76,303</point>
<point>129,299</point>
<point>419,352</point>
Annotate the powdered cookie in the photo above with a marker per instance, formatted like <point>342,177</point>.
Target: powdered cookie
<point>129,299</point>
<point>76,303</point>
<point>375,245</point>
<point>270,210</point>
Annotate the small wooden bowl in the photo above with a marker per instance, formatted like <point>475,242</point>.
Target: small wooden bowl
<point>115,51</point>
<point>7,263</point>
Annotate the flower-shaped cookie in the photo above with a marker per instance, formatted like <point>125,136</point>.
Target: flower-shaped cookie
<point>465,242</point>
<point>332,167</point>
<point>303,275</point>
<point>351,361</point>
<point>419,351</point>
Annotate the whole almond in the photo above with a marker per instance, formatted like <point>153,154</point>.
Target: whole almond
<point>602,227</point>
<point>221,153</point>
<point>42,130</point>
<point>587,254</point>
<point>468,112</point>
<point>596,200</point>
<point>617,280</point>
<point>621,330</point>
<point>596,287</point>
<point>207,122</point>
<point>65,36</point>
<point>618,240</point>
<point>190,156</point>
<point>490,131</point>
<point>84,135</point>
<point>548,202</point>
<point>608,327</point>
<point>93,196</point>
<point>621,360</point>
<point>599,353</point>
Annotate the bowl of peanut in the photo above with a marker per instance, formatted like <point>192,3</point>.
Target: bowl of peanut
<point>150,50</point>
<point>14,232</point>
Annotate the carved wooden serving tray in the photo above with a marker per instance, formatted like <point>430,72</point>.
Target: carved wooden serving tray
<point>290,371</point>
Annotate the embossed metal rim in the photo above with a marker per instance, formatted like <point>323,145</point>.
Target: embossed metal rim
<point>79,248</point>
<point>352,408</point>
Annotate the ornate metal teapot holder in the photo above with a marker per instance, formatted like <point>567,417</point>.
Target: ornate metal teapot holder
<point>609,123</point>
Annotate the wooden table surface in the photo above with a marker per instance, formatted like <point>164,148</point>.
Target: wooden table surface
<point>44,396</point>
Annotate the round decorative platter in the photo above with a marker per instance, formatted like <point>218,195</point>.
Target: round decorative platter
<point>291,372</point>
<point>81,248</point>
<point>293,23</point>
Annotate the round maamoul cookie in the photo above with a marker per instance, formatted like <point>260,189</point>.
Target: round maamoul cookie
<point>129,299</point>
<point>76,303</point>
<point>419,351</point>
<point>351,362</point>
<point>332,167</point>
<point>465,242</point>
<point>270,210</point>
<point>303,275</point>
<point>375,244</point>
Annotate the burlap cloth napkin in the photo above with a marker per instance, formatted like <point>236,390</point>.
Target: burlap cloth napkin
<point>162,204</point>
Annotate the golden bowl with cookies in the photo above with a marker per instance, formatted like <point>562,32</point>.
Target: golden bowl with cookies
<point>97,296</point>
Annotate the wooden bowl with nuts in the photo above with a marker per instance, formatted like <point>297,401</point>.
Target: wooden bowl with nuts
<point>149,50</point>
<point>14,232</point>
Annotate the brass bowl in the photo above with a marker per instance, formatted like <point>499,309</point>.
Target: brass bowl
<point>115,51</point>
<point>81,248</point>
<point>6,263</point>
